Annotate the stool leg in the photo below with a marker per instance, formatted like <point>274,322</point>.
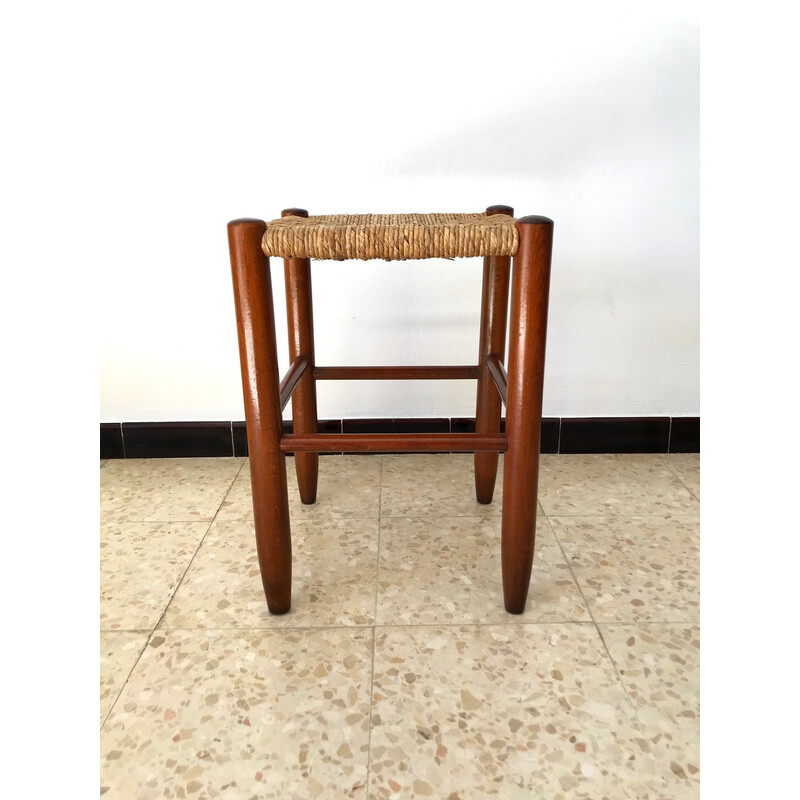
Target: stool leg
<point>494,314</point>
<point>300,318</point>
<point>529,294</point>
<point>255,322</point>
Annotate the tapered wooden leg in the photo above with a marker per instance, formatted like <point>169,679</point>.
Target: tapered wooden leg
<point>529,293</point>
<point>494,310</point>
<point>300,318</point>
<point>255,322</point>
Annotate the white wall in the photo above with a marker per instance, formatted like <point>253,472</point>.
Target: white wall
<point>588,114</point>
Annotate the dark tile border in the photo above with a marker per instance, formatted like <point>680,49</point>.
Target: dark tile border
<point>177,439</point>
<point>684,435</point>
<point>398,425</point>
<point>559,435</point>
<point>551,434</point>
<point>551,427</point>
<point>239,439</point>
<point>240,447</point>
<point>111,444</point>
<point>467,425</point>
<point>615,435</point>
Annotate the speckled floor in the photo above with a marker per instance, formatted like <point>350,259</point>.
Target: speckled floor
<point>398,673</point>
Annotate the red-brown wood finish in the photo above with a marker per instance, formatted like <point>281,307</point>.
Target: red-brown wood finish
<point>442,373</point>
<point>255,322</point>
<point>529,298</point>
<point>300,319</point>
<point>520,388</point>
<point>499,375</point>
<point>494,311</point>
<point>290,379</point>
<point>393,443</point>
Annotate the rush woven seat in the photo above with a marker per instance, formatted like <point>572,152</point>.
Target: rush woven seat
<point>392,237</point>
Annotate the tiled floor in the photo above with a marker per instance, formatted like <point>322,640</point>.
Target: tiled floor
<point>398,673</point>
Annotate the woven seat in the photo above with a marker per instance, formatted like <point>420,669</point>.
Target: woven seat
<point>392,237</point>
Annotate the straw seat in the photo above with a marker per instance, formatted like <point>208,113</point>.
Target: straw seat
<point>392,237</point>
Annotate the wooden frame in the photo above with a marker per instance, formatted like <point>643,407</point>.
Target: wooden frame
<point>443,373</point>
<point>519,389</point>
<point>291,379</point>
<point>494,313</point>
<point>393,443</point>
<point>255,323</point>
<point>300,320</point>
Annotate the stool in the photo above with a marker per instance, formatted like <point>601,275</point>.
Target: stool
<point>297,238</point>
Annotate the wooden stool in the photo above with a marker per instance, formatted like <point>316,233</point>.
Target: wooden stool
<point>297,238</point>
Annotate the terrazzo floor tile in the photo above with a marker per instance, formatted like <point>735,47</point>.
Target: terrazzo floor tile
<point>611,484</point>
<point>441,485</point>
<point>333,581</point>
<point>256,714</point>
<point>229,701</point>
<point>165,489</point>
<point>447,569</point>
<point>349,486</point>
<point>687,467</point>
<point>141,564</point>
<point>119,651</point>
<point>660,667</point>
<point>514,711</point>
<point>635,568</point>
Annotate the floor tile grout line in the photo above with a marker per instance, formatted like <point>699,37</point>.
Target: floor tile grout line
<point>689,489</point>
<point>430,517</point>
<point>496,624</point>
<point>126,630</point>
<point>209,520</point>
<point>378,556</point>
<point>683,482</point>
<point>200,544</point>
<point>645,623</point>
<point>594,623</point>
<point>172,595</point>
<point>497,515</point>
<point>369,717</point>
<point>127,677</point>
<point>599,514</point>
<point>374,621</point>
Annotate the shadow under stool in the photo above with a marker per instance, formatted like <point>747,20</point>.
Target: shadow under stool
<point>297,238</point>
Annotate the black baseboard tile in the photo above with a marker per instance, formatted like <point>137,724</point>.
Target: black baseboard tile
<point>685,435</point>
<point>111,444</point>
<point>240,447</point>
<point>177,439</point>
<point>239,430</point>
<point>614,435</point>
<point>323,426</point>
<point>398,425</point>
<point>467,425</point>
<point>549,434</point>
<point>559,435</point>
